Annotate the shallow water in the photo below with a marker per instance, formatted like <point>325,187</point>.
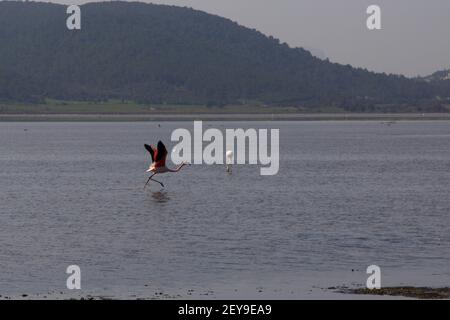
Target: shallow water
<point>348,195</point>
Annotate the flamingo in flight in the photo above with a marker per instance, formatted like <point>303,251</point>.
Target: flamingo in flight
<point>158,165</point>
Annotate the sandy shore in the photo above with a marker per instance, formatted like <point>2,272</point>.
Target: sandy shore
<point>227,117</point>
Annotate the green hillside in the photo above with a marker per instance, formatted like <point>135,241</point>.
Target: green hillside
<point>154,54</point>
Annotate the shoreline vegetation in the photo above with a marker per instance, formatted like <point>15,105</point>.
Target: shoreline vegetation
<point>387,119</point>
<point>126,111</point>
<point>406,292</point>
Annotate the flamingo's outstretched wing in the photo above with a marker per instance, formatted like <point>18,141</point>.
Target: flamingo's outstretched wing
<point>161,152</point>
<point>151,150</point>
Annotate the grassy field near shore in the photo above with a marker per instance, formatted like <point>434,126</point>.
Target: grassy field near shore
<point>53,110</point>
<point>384,119</point>
<point>127,108</point>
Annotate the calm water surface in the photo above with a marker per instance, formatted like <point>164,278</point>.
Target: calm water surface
<point>348,195</point>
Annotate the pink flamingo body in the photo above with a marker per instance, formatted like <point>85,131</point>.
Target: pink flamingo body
<point>158,165</point>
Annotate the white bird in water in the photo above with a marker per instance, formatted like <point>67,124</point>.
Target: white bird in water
<point>229,155</point>
<point>158,164</point>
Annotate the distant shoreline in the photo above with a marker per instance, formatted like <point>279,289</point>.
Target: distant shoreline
<point>225,117</point>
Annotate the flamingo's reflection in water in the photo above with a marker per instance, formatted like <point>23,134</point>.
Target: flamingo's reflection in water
<point>160,196</point>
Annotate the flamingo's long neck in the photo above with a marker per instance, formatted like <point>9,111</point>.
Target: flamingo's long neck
<point>177,168</point>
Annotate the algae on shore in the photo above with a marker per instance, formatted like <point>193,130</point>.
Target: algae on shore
<point>408,292</point>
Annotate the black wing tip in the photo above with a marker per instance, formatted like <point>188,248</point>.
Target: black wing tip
<point>149,148</point>
<point>161,146</point>
<point>161,149</point>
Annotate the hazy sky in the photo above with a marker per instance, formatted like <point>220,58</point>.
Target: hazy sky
<point>415,38</point>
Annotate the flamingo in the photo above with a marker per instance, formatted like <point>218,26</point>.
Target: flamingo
<point>158,164</point>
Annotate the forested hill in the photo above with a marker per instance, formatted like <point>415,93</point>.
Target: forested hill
<point>165,54</point>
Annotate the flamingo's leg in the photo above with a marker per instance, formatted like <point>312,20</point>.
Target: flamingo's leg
<point>158,182</point>
<point>148,180</point>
